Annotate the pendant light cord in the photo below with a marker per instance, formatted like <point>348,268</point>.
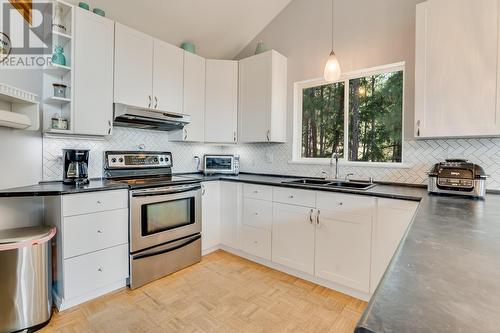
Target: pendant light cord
<point>332,24</point>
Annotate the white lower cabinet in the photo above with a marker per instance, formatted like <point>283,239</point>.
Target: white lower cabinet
<point>211,216</point>
<point>84,274</point>
<point>230,199</point>
<point>343,249</point>
<point>342,241</point>
<point>293,237</point>
<point>393,219</point>
<point>91,249</point>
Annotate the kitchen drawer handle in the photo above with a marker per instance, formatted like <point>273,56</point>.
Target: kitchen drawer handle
<point>99,202</point>
<point>256,214</point>
<point>176,247</point>
<point>290,196</point>
<point>311,216</point>
<point>100,269</point>
<point>340,204</point>
<point>256,242</point>
<point>255,192</point>
<point>99,231</point>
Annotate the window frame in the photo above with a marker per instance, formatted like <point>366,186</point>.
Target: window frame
<point>346,77</point>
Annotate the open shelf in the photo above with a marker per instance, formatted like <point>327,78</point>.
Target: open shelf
<point>57,70</point>
<point>57,100</point>
<point>61,36</point>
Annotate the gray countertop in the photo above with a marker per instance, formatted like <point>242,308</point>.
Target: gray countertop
<point>444,277</point>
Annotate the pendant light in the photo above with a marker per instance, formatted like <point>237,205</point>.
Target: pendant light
<point>332,68</point>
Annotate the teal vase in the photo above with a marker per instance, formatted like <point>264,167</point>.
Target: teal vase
<point>261,47</point>
<point>58,56</point>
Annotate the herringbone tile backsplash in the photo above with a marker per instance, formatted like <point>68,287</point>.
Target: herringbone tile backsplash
<point>418,156</point>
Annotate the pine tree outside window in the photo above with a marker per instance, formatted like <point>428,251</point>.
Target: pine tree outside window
<point>359,117</point>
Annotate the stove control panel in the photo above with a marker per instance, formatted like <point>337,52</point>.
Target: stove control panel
<point>139,160</point>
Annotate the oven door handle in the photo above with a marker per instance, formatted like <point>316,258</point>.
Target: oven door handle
<point>173,190</point>
<point>153,253</point>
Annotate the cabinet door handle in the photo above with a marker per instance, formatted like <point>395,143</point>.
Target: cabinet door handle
<point>234,136</point>
<point>185,134</point>
<point>202,189</point>
<point>156,102</point>
<point>418,127</point>
<point>109,127</point>
<point>99,231</point>
<point>99,202</point>
<point>311,216</point>
<point>318,222</point>
<point>100,269</point>
<point>268,135</point>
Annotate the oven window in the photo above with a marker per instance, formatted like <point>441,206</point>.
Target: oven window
<point>219,164</point>
<point>162,216</point>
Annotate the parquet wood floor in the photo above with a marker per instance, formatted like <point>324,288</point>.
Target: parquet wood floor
<point>223,293</point>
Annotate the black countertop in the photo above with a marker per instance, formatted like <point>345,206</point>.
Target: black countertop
<point>58,188</point>
<point>444,277</point>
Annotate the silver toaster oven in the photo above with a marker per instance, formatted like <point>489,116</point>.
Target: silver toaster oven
<point>221,164</point>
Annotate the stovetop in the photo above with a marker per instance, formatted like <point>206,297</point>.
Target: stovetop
<point>156,181</point>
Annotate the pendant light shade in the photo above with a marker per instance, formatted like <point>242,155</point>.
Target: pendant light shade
<point>332,69</point>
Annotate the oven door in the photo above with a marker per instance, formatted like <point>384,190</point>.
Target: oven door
<point>163,215</point>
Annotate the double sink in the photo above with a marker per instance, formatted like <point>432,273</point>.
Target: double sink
<point>331,184</point>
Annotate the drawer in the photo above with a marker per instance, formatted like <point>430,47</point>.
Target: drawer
<point>256,241</point>
<point>93,232</point>
<point>258,213</point>
<point>294,197</point>
<point>258,192</point>
<point>85,203</point>
<point>348,204</point>
<point>93,271</point>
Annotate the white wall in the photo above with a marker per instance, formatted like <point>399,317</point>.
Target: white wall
<point>20,158</point>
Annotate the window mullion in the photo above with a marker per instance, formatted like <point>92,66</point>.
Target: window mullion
<point>346,120</point>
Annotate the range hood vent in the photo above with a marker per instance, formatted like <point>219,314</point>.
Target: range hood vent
<point>152,119</point>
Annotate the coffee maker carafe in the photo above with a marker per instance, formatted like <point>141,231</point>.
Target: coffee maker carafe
<point>76,162</point>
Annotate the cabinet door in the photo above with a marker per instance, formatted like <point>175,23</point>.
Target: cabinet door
<point>210,215</point>
<point>293,237</point>
<point>93,70</point>
<point>194,96</point>
<point>343,246</point>
<point>457,54</point>
<point>393,219</point>
<point>230,214</point>
<point>221,105</point>
<point>168,77</point>
<point>255,75</point>
<point>262,98</point>
<point>133,67</point>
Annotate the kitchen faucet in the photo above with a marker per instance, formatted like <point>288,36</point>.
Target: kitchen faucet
<point>335,156</point>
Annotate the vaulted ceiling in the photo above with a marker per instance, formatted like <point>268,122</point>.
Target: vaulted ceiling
<point>219,28</point>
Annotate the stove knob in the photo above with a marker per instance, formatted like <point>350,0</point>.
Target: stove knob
<point>161,159</point>
<point>120,160</point>
<point>156,160</point>
<point>113,160</point>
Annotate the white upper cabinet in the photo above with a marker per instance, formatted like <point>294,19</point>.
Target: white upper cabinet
<point>168,77</point>
<point>221,104</point>
<point>133,67</point>
<point>93,70</point>
<point>263,98</point>
<point>457,54</point>
<point>194,99</point>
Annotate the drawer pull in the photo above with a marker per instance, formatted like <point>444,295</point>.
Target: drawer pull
<point>256,214</point>
<point>290,196</point>
<point>311,216</point>
<point>255,242</point>
<point>100,269</point>
<point>99,231</point>
<point>99,202</point>
<point>340,203</point>
<point>255,192</point>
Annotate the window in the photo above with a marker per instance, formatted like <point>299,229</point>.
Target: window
<point>362,124</point>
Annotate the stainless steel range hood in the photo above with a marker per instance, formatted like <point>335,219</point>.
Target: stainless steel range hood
<point>153,119</point>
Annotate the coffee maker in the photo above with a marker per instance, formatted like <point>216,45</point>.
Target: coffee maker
<point>76,162</point>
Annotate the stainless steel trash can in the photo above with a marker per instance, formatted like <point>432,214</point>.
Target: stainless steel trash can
<point>25,278</point>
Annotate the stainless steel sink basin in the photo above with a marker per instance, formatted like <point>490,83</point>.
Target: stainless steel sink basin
<point>331,184</point>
